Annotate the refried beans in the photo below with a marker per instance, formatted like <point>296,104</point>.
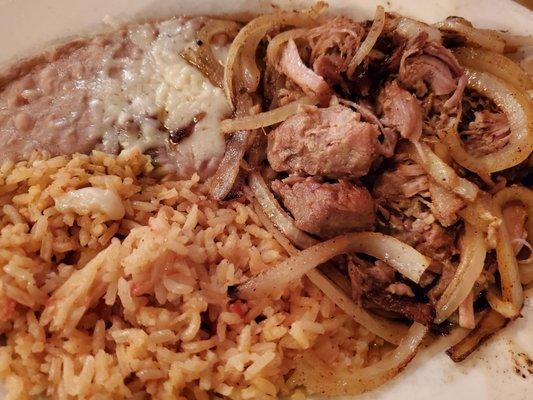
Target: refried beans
<point>122,90</point>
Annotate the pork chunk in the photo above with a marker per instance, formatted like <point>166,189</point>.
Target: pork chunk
<point>402,111</point>
<point>331,142</point>
<point>326,209</point>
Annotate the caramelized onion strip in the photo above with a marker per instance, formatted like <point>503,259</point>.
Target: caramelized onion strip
<point>202,58</point>
<point>507,263</point>
<point>267,118</point>
<point>442,173</point>
<point>495,64</point>
<point>487,40</point>
<point>494,299</point>
<point>215,27</point>
<point>490,323</point>
<point>472,261</point>
<point>277,43</point>
<point>405,259</point>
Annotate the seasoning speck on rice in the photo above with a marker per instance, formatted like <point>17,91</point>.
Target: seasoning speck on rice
<point>115,284</point>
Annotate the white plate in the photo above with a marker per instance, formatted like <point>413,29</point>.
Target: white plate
<point>27,26</point>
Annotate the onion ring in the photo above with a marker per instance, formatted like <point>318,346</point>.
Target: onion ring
<point>519,111</point>
<point>495,64</point>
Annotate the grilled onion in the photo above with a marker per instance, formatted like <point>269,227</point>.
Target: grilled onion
<point>487,40</point>
<point>405,259</point>
<point>388,330</point>
<point>370,40</point>
<point>490,323</point>
<point>480,213</point>
<point>495,64</point>
<point>215,27</point>
<point>507,263</point>
<point>472,260</point>
<point>411,28</point>
<point>519,111</point>
<point>505,308</point>
<point>522,195</point>
<point>318,377</point>
<point>202,58</point>
<point>441,172</point>
<point>265,119</point>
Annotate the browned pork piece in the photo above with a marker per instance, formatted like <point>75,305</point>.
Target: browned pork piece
<point>326,209</point>
<point>331,142</point>
<point>401,110</point>
<point>333,47</point>
<point>375,285</point>
<point>428,63</point>
<point>416,210</point>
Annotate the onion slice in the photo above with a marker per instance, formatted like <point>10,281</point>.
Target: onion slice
<point>507,263</point>
<point>472,35</point>
<point>215,27</point>
<point>495,64</point>
<point>318,377</point>
<point>442,173</point>
<point>494,299</point>
<point>405,259</point>
<point>522,195</point>
<point>489,324</point>
<point>519,111</point>
<point>202,58</point>
<point>411,28</point>
<point>265,119</point>
<point>370,40</point>
<point>472,262</point>
<point>248,39</point>
<point>228,170</point>
<point>276,214</point>
<point>481,212</point>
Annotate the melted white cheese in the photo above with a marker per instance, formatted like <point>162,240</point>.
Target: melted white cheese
<point>159,92</point>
